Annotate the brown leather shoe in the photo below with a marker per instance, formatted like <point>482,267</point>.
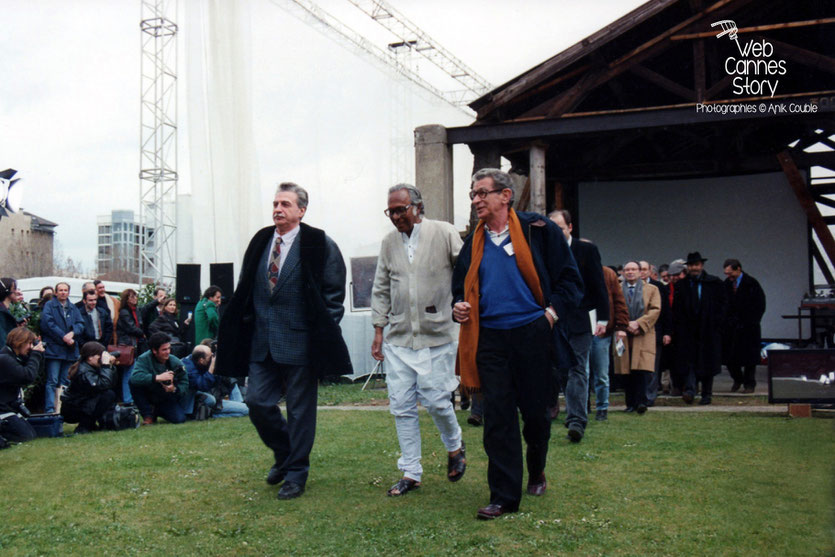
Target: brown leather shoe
<point>148,420</point>
<point>538,486</point>
<point>493,510</point>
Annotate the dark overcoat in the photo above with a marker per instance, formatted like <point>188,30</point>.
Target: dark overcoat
<point>742,335</point>
<point>328,353</point>
<point>697,324</point>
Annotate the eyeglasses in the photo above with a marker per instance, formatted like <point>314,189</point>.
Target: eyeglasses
<point>397,211</point>
<point>482,194</point>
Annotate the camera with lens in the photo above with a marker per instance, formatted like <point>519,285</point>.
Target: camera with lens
<point>20,408</point>
<point>167,382</point>
<point>115,354</point>
<point>213,347</point>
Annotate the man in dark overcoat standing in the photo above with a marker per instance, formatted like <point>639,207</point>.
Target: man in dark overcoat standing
<point>742,337</point>
<point>698,315</point>
<point>281,327</point>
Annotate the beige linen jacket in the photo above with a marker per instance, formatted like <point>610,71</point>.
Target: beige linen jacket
<point>642,355</point>
<point>415,299</point>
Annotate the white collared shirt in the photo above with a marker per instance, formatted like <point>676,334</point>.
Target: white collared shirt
<point>410,242</point>
<point>498,237</point>
<point>286,243</point>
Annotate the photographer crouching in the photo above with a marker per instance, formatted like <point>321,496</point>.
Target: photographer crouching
<point>90,399</point>
<point>159,383</point>
<point>205,385</point>
<point>20,361</point>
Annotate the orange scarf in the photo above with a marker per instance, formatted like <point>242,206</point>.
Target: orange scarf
<point>468,334</point>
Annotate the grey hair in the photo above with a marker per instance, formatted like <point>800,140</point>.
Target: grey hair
<point>414,194</point>
<point>295,188</point>
<point>500,179</point>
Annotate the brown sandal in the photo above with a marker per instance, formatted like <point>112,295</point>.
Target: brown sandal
<point>402,487</point>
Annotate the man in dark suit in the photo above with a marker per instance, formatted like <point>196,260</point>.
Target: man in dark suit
<point>281,327</point>
<point>97,323</point>
<point>698,315</point>
<point>580,325</point>
<point>741,341</point>
<point>663,329</point>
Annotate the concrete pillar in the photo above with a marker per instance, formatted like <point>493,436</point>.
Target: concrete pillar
<point>537,176</point>
<point>433,171</point>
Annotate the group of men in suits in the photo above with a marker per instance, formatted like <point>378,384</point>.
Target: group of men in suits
<point>534,306</point>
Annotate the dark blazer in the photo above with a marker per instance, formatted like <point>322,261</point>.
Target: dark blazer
<point>55,323</point>
<point>697,324</point>
<point>742,335</point>
<point>323,277</point>
<point>105,323</point>
<point>595,295</point>
<point>562,285</point>
<point>148,314</point>
<point>664,325</point>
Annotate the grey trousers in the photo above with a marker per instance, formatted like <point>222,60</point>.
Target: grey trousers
<point>291,440</point>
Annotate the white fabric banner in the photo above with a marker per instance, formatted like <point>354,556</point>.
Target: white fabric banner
<point>224,188</point>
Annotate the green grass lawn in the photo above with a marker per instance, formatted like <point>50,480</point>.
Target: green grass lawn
<point>661,484</point>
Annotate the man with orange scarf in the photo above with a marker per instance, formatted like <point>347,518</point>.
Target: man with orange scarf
<point>515,276</point>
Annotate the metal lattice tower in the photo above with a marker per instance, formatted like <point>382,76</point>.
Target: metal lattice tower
<point>397,24</point>
<point>158,143</point>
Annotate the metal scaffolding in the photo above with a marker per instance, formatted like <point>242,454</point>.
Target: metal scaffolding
<point>158,143</point>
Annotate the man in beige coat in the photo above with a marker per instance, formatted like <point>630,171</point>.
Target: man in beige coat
<point>635,356</point>
<point>412,296</point>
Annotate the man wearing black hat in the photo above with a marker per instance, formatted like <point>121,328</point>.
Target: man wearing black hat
<point>699,308</point>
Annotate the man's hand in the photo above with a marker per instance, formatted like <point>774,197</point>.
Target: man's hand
<point>461,312</point>
<point>666,339</point>
<point>377,344</point>
<point>620,335</point>
<point>600,330</point>
<point>169,388</point>
<point>39,347</point>
<point>167,376</point>
<point>161,296</point>
<point>106,359</point>
<point>212,364</point>
<point>633,328</point>
<point>68,340</point>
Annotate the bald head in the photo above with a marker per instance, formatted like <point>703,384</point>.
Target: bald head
<point>201,354</point>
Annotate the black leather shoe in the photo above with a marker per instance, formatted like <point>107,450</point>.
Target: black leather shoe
<point>537,487</point>
<point>575,433</point>
<point>290,490</point>
<point>629,409</point>
<point>735,387</point>
<point>475,419</point>
<point>494,510</point>
<point>276,475</point>
<point>687,397</point>
<point>704,401</point>
<point>602,415</point>
<point>641,409</point>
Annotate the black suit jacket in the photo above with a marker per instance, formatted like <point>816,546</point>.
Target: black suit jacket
<point>89,332</point>
<point>595,295</point>
<point>746,306</point>
<point>664,325</point>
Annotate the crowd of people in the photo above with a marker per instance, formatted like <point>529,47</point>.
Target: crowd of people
<point>537,314</point>
<point>106,362</point>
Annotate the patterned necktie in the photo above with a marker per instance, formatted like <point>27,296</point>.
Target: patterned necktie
<point>275,259</point>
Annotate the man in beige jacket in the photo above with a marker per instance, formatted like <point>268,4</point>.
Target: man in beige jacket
<point>412,296</point>
<point>637,359</point>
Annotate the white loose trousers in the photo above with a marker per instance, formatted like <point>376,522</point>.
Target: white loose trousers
<point>426,375</point>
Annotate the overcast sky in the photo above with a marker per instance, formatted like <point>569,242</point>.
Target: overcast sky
<point>69,102</point>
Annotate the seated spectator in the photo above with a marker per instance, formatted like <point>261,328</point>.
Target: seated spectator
<point>90,394</point>
<point>20,360</point>
<point>202,382</point>
<point>159,382</point>
<point>129,333</point>
<point>167,323</point>
<point>206,316</point>
<point>97,324</point>
<point>60,323</point>
<point>7,320</point>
